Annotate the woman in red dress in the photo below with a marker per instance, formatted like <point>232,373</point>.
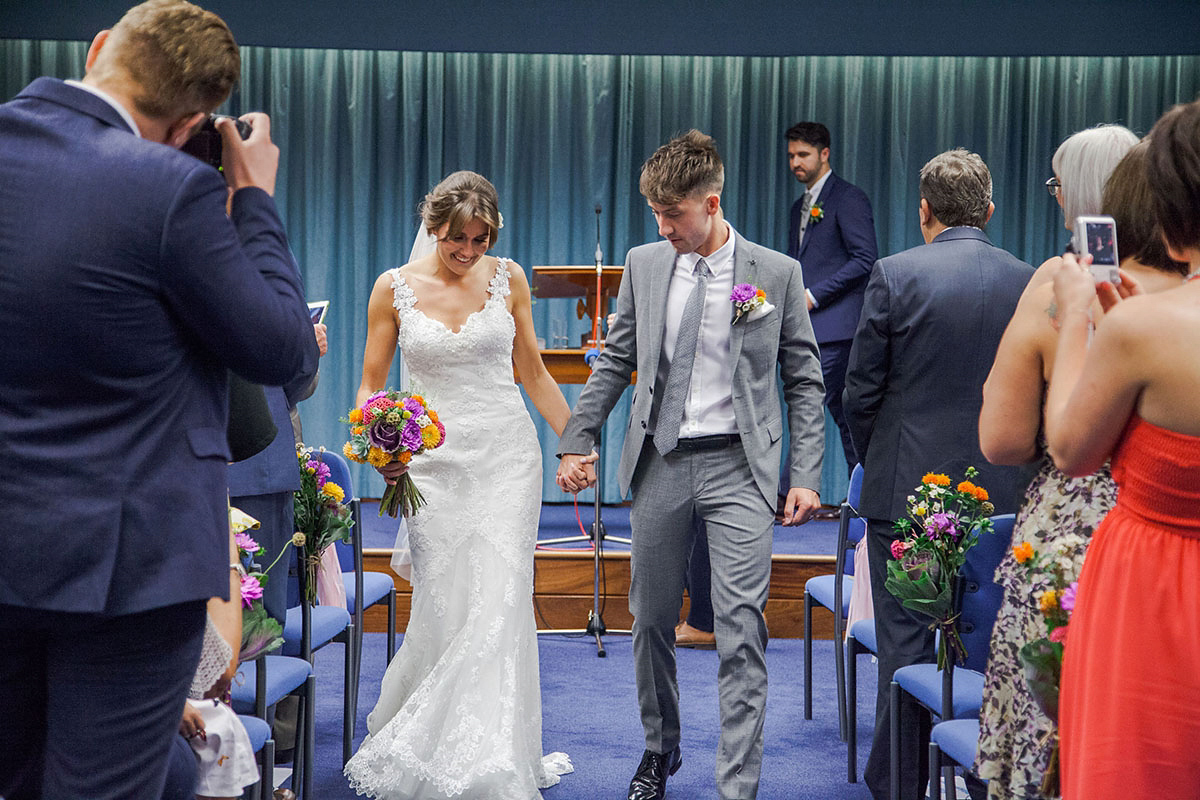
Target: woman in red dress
<point>1130,702</point>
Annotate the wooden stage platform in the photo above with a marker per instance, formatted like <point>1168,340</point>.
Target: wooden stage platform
<point>563,592</point>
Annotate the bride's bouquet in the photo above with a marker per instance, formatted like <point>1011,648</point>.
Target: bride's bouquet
<point>394,426</point>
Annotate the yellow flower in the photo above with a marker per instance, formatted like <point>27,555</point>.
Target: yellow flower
<point>1023,552</point>
<point>331,489</point>
<point>376,457</point>
<point>348,452</point>
<point>935,479</point>
<point>298,539</point>
<point>355,415</point>
<point>920,511</point>
<point>1048,601</point>
<point>430,436</point>
<point>357,430</point>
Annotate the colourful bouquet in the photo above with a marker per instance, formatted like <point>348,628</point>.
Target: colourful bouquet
<point>394,426</point>
<point>1052,574</point>
<point>322,516</point>
<point>750,302</point>
<point>260,633</point>
<point>943,523</point>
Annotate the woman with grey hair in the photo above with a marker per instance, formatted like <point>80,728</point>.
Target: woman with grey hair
<point>1059,513</point>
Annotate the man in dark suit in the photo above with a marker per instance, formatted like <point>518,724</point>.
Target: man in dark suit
<point>127,292</point>
<point>931,323</point>
<point>703,440</point>
<point>831,233</point>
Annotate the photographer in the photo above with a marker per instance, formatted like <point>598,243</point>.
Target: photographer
<point>127,292</point>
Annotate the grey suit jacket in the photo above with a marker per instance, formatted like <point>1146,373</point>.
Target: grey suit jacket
<point>932,320</point>
<point>784,338</point>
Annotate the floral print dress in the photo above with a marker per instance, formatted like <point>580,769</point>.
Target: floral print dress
<point>1015,737</point>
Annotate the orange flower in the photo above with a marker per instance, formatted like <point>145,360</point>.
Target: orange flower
<point>355,415</point>
<point>1023,552</point>
<point>980,494</point>
<point>761,294</point>
<point>935,479</point>
<point>376,457</point>
<point>349,453</point>
<point>433,417</point>
<point>814,212</point>
<point>404,457</point>
<point>966,487</point>
<point>357,429</point>
<point>419,399</point>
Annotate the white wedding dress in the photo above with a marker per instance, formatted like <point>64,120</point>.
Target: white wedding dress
<point>460,711</point>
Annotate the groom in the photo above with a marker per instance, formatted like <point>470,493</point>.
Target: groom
<point>703,440</point>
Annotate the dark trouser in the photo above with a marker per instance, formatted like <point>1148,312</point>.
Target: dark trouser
<point>91,703</point>
<point>835,358</point>
<point>904,638</point>
<point>699,582</point>
<point>275,515</point>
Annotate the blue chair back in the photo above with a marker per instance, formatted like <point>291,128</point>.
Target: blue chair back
<point>982,596</point>
<point>339,473</point>
<point>855,526</point>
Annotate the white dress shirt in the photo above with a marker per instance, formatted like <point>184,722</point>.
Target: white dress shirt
<point>709,407</point>
<point>815,193</point>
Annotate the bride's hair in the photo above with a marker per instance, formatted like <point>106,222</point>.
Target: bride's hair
<point>461,197</point>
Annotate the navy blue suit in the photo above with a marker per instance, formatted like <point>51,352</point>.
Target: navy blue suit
<point>126,293</point>
<point>836,256</point>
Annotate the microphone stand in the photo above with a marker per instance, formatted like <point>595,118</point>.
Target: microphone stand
<point>595,624</point>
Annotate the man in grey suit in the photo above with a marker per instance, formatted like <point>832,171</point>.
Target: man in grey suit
<point>932,319</point>
<point>703,440</point>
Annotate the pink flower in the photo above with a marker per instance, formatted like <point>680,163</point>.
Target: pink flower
<point>1059,634</point>
<point>1067,601</point>
<point>251,591</point>
<point>244,542</point>
<point>899,547</point>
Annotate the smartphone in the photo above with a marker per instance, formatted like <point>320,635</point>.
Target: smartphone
<point>206,143</point>
<point>1097,237</point>
<point>317,311</point>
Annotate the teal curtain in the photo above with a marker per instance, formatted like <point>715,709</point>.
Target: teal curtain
<point>364,134</point>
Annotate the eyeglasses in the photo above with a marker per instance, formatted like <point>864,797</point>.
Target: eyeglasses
<point>1053,186</point>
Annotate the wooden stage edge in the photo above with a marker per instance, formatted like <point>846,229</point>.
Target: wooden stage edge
<point>563,592</point>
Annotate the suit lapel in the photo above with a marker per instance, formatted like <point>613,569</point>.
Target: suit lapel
<point>658,281</point>
<point>744,266</point>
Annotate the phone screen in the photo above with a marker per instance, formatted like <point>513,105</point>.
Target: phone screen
<point>1101,243</point>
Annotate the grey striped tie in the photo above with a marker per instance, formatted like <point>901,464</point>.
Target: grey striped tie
<point>679,377</point>
<point>805,208</point>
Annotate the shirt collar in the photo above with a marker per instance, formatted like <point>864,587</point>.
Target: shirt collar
<point>112,101</point>
<point>715,260</point>
<point>819,185</point>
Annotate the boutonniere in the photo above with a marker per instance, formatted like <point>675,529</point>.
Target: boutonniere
<point>750,302</point>
<point>816,213</point>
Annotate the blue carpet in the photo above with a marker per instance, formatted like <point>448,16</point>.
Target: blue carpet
<point>590,712</point>
<point>558,520</point>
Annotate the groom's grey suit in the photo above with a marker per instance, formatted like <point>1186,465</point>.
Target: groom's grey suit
<point>733,489</point>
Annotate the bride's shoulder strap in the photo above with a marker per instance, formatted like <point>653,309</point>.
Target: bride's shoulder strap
<point>402,295</point>
<point>499,283</point>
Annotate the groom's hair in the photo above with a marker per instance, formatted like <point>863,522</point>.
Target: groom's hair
<point>958,187</point>
<point>686,165</point>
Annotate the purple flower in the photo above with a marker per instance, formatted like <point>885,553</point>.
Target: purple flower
<point>251,590</point>
<point>743,293</point>
<point>940,524</point>
<point>245,543</point>
<point>385,437</point>
<point>412,405</point>
<point>410,437</point>
<point>1067,601</point>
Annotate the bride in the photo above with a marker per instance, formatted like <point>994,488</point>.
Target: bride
<point>459,711</point>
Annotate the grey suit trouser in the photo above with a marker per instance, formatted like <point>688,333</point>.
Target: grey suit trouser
<point>668,493</point>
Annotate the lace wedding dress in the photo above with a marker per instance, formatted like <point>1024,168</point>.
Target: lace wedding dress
<point>459,711</point>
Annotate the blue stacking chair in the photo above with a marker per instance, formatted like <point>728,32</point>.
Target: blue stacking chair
<point>258,687</point>
<point>956,740</point>
<point>262,744</point>
<point>860,640</point>
<point>363,589</point>
<point>833,592</point>
<point>957,691</point>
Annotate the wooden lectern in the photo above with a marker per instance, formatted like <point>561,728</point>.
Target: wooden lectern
<point>567,365</point>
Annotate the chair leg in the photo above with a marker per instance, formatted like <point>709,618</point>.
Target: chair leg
<point>894,742</point>
<point>839,665</point>
<point>348,706</point>
<point>807,655</point>
<point>851,710</point>
<point>935,769</point>
<point>266,784</point>
<point>310,736</point>
<point>391,641</point>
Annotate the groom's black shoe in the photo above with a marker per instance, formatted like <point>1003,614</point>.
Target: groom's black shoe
<point>650,780</point>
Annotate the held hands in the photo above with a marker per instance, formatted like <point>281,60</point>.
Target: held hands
<point>576,472</point>
<point>392,472</point>
<point>800,506</point>
<point>253,162</point>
